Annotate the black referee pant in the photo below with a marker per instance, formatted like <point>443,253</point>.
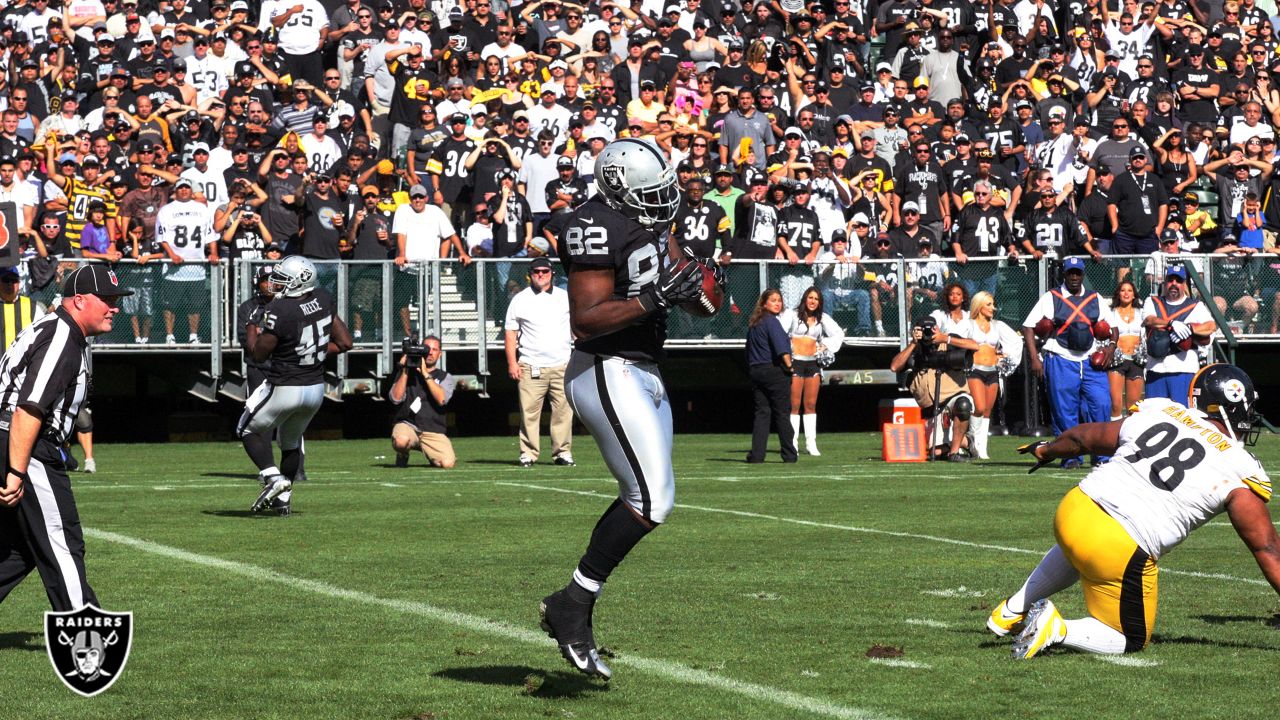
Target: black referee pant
<point>772,390</point>
<point>43,532</point>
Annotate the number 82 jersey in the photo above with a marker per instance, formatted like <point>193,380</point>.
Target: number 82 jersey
<point>1171,474</point>
<point>598,236</point>
<point>301,326</point>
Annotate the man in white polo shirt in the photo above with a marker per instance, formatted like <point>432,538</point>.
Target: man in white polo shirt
<point>538,343</point>
<point>423,231</point>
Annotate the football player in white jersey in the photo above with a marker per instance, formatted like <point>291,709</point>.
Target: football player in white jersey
<point>621,282</point>
<point>1174,467</point>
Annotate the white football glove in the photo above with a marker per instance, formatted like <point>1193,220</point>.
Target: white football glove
<point>1179,330</point>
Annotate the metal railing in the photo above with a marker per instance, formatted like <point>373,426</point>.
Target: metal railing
<point>875,301</point>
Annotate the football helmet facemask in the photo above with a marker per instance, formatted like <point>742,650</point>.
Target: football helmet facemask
<point>635,178</point>
<point>1225,392</point>
<point>294,276</point>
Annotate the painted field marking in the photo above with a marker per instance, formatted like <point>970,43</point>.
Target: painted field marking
<point>895,662</point>
<point>877,531</point>
<point>1128,661</point>
<point>960,592</point>
<point>670,670</point>
<point>925,622</point>
<point>390,485</point>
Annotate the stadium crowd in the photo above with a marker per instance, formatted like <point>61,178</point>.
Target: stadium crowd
<point>828,132</point>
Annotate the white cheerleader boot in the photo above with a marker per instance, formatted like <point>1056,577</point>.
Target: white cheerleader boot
<point>811,434</point>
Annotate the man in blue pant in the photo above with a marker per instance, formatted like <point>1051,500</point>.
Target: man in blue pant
<point>1066,317</point>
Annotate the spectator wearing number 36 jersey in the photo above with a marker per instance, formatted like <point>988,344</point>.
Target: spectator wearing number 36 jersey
<point>184,228</point>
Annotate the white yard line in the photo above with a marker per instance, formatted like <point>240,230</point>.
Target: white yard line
<point>925,622</point>
<point>670,670</point>
<point>896,663</point>
<point>1128,661</point>
<point>877,531</point>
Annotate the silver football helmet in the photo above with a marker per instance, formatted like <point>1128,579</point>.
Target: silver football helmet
<point>294,276</point>
<point>635,178</point>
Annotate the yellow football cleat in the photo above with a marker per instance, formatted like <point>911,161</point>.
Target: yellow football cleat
<point>1045,628</point>
<point>1002,622</point>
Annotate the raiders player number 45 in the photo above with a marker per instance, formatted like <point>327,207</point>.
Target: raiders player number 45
<point>622,280</point>
<point>296,331</point>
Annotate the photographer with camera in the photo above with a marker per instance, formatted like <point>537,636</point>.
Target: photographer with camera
<point>935,375</point>
<point>420,392</point>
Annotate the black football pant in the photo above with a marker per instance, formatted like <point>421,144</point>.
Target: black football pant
<point>43,532</point>
<point>771,388</point>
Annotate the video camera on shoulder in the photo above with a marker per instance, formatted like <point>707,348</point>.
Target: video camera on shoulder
<point>929,356</point>
<point>414,350</point>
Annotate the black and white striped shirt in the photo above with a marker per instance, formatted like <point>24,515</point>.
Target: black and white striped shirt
<point>46,370</point>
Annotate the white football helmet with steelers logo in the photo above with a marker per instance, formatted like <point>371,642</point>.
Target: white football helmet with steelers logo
<point>635,178</point>
<point>294,276</point>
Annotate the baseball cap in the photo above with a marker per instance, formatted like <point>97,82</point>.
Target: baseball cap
<point>243,68</point>
<point>1137,151</point>
<point>724,170</point>
<point>793,131</point>
<point>199,147</point>
<point>182,182</point>
<point>921,81</point>
<point>1073,263</point>
<point>1176,270</point>
<point>909,206</point>
<point>263,272</point>
<point>564,162</point>
<point>9,273</point>
<point>1080,121</point>
<point>839,236</point>
<point>93,279</point>
<point>884,66</point>
<point>861,219</point>
<point>368,190</point>
<point>541,263</point>
<point>417,190</point>
<point>1190,197</point>
<point>457,118</point>
<point>454,82</point>
<point>91,160</point>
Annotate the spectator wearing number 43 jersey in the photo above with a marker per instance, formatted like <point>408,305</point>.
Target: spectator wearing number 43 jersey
<point>184,228</point>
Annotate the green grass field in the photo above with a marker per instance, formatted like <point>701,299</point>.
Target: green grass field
<point>413,593</point>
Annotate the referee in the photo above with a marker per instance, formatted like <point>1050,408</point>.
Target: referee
<point>44,380</point>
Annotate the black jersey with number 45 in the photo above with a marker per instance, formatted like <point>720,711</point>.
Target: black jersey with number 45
<point>301,326</point>
<point>597,236</point>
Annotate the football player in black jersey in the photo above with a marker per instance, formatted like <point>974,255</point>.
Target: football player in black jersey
<point>297,330</point>
<point>622,280</point>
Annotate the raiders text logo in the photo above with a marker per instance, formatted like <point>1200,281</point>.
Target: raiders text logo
<point>88,647</point>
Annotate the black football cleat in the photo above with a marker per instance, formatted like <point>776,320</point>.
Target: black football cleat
<point>569,623</point>
<point>283,508</point>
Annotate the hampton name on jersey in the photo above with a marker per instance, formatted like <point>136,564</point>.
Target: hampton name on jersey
<point>301,326</point>
<point>1171,474</point>
<point>598,236</point>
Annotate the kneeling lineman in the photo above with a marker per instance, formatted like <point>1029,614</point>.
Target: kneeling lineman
<point>1173,469</point>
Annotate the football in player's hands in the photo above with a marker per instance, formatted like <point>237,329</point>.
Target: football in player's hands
<point>710,290</point>
<point>1102,330</point>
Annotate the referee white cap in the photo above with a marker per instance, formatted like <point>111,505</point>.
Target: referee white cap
<point>93,280</point>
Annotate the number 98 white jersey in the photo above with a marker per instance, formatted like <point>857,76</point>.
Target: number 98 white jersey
<point>1171,474</point>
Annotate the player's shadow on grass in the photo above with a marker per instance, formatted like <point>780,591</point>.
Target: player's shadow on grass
<point>265,514</point>
<point>533,682</point>
<point>22,641</point>
<point>1224,619</point>
<point>1189,640</point>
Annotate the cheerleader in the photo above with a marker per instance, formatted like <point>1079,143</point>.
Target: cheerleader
<point>815,337</point>
<point>996,349</point>
<point>1125,373</point>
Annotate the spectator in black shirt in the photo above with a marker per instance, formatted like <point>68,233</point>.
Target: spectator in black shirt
<point>1137,209</point>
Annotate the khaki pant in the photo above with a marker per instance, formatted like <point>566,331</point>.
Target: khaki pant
<point>435,446</point>
<point>533,392</point>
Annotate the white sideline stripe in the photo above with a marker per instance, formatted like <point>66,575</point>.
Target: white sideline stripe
<point>960,592</point>
<point>1127,661</point>
<point>925,622</point>
<point>876,531</point>
<point>894,662</point>
<point>670,670</point>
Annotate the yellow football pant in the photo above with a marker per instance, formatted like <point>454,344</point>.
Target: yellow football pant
<point>1119,578</point>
